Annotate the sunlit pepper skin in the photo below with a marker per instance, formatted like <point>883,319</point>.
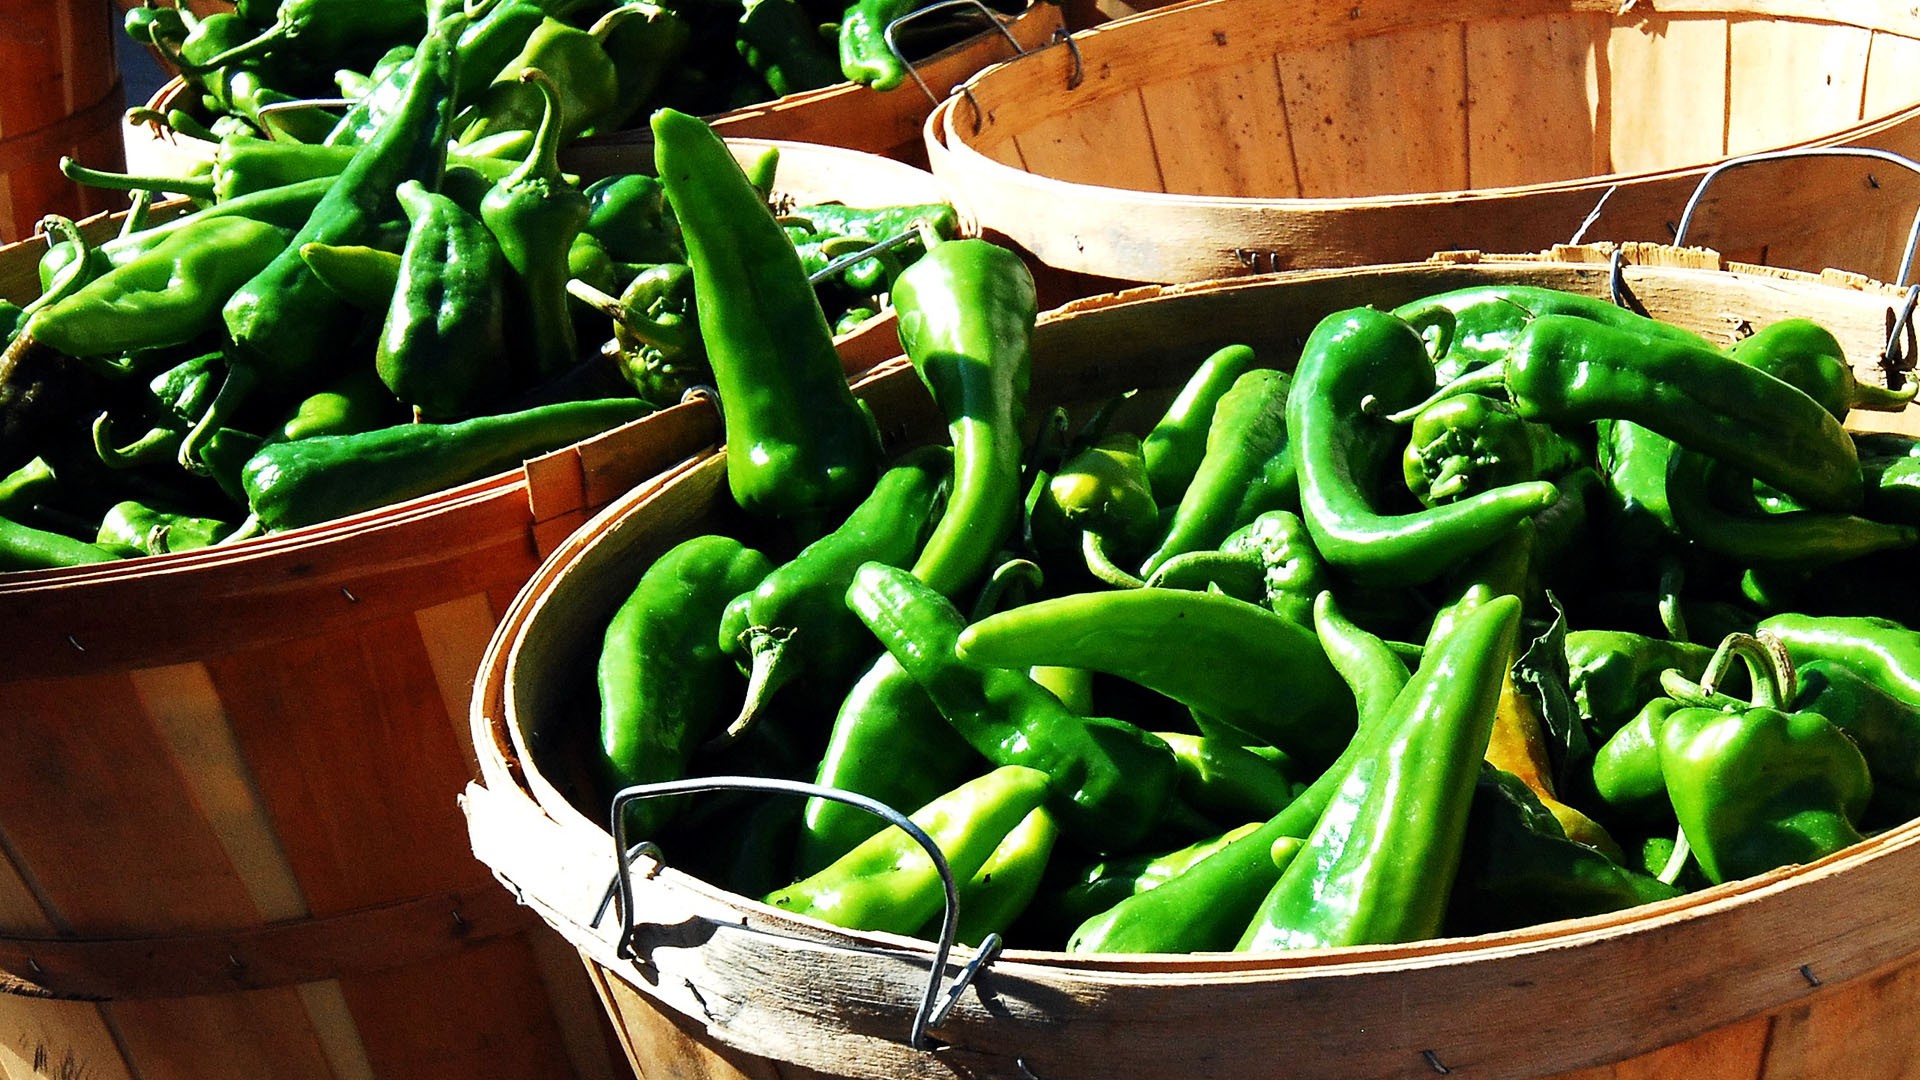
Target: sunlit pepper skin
<point>1109,780</point>
<point>889,882</point>
<point>798,445</point>
<point>1234,662</point>
<point>1477,325</point>
<point>1358,363</point>
<point>443,347</point>
<point>1270,561</point>
<point>1463,445</point>
<point>1802,353</point>
<point>1757,787</point>
<point>662,676</point>
<point>1379,866</point>
<point>1178,441</point>
<point>967,311</point>
<point>1248,469</point>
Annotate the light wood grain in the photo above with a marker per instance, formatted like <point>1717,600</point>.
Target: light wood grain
<point>1223,132</point>
<point>1667,92</point>
<point>1891,62</point>
<point>1533,100</point>
<point>1342,100</point>
<point>1788,81</point>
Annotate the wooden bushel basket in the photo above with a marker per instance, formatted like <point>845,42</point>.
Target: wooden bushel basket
<point>1805,971</point>
<point>1217,138</point>
<point>60,94</point>
<point>229,843</point>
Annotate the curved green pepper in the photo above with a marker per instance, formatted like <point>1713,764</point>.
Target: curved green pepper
<point>1464,445</point>
<point>1228,660</point>
<point>1247,469</point>
<point>966,312</point>
<point>1353,361</point>
<point>1478,324</point>
<point>1379,866</point>
<point>798,445</point>
<point>1714,506</point>
<point>1109,781</point>
<point>662,675</point>
<point>1178,442</point>
<point>1270,561</point>
<point>1805,354</point>
<point>795,623</point>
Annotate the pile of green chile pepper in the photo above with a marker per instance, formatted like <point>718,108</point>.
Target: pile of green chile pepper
<point>252,69</point>
<point>1294,658</point>
<point>336,328</point>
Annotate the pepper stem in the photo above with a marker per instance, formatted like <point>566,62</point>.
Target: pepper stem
<point>1774,683</point>
<point>1880,399</point>
<point>1682,851</point>
<point>265,41</point>
<point>234,390</point>
<point>1491,377</point>
<point>71,275</point>
<point>190,186</point>
<point>767,647</point>
<point>141,451</point>
<point>1439,320</point>
<point>1093,547</point>
<point>1008,576</point>
<point>543,159</point>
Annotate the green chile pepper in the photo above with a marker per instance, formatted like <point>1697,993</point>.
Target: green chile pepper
<point>629,215</point>
<point>1222,778</point>
<point>887,720</point>
<point>1805,354</point>
<point>1614,674</point>
<point>443,347</point>
<point>798,444</point>
<point>1178,442</point>
<point>585,82</point>
<point>1886,729</point>
<point>534,215</point>
<point>1626,768</point>
<point>1270,561</point>
<point>366,277</point>
<point>889,882</point>
<point>795,623</point>
<point>1109,780</point>
<point>291,484</point>
<point>645,42</point>
<point>1754,786</point>
<point>662,675</point>
<point>1247,470</point>
<point>780,42</point>
<point>1101,885</point>
<point>1379,866</point>
<point>1363,360</point>
<point>1005,884</point>
<point>23,547</point>
<point>966,312</point>
<point>1713,505</point>
<point>1230,660</point>
<point>1464,445</point>
<point>327,28</point>
<point>133,524</point>
<point>284,318</point>
<point>1478,325</point>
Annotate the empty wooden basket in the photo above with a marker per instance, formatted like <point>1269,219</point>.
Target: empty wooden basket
<point>1805,971</point>
<point>1221,137</point>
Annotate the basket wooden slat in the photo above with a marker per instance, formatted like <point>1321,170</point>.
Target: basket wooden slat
<point>1799,972</point>
<point>1218,137</point>
<point>60,93</point>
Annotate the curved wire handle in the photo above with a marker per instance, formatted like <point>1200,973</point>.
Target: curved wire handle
<point>1913,233</point>
<point>932,1010</point>
<point>893,46</point>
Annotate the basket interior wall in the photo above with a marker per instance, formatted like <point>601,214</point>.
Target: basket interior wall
<point>1222,101</point>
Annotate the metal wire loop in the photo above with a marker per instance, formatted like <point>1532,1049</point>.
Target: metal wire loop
<point>899,239</point>
<point>1913,233</point>
<point>986,12</point>
<point>1897,356</point>
<point>924,1016</point>
<point>1079,65</point>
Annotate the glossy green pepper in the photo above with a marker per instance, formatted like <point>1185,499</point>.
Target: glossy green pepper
<point>1229,661</point>
<point>1178,442</point>
<point>662,675</point>
<point>1221,778</point>
<point>1478,324</point>
<point>1247,469</point>
<point>364,276</point>
<point>1109,781</point>
<point>534,215</point>
<point>889,742</point>
<point>1101,885</point>
<point>443,347</point>
<point>23,547</point>
<point>630,217</point>
<point>323,29</point>
<point>585,83</point>
<point>1626,768</point>
<point>966,312</point>
<point>1886,729</point>
<point>291,484</point>
<point>1464,445</point>
<point>491,38</point>
<point>795,622</point>
<point>1005,884</point>
<point>1756,787</point>
<point>1566,370</point>
<point>1614,673</point>
<point>1380,864</point>
<point>1357,362</point>
<point>1713,505</point>
<point>781,43</point>
<point>133,524</point>
<point>889,882</point>
<point>798,444</point>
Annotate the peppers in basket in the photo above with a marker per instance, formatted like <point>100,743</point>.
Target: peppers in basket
<point>798,444</point>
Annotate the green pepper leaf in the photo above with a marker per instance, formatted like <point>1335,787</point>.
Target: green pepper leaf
<point>1542,676</point>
